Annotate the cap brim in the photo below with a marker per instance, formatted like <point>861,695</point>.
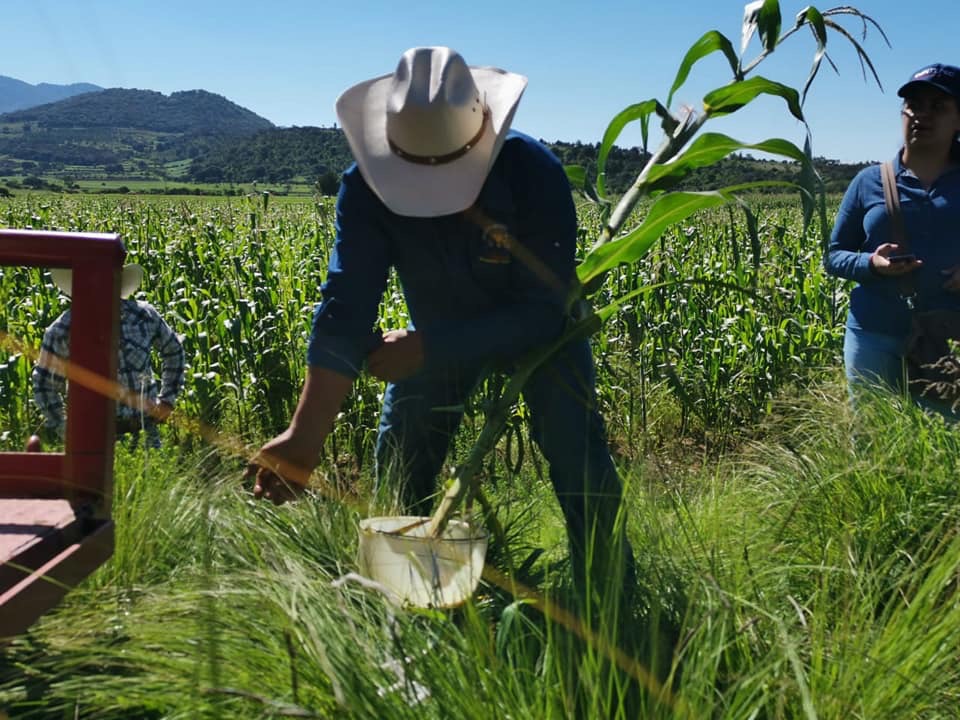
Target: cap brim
<point>905,88</point>
<point>408,188</point>
<point>130,279</point>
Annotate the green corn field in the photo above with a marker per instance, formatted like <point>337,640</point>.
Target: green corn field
<point>782,571</point>
<point>738,313</point>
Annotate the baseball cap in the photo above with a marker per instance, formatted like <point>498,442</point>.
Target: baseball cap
<point>942,77</point>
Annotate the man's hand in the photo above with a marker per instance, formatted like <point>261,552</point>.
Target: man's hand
<point>399,357</point>
<point>161,411</point>
<point>281,468</point>
<point>952,278</point>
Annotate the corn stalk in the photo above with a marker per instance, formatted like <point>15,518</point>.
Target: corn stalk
<point>682,150</point>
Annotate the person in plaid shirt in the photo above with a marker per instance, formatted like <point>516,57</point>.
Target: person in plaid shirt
<point>142,331</point>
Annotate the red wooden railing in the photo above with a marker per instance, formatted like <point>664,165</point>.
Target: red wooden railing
<point>55,525</point>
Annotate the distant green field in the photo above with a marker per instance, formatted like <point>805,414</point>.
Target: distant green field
<point>120,185</point>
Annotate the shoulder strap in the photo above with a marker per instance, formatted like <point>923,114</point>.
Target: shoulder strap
<point>891,199</point>
<point>898,231</point>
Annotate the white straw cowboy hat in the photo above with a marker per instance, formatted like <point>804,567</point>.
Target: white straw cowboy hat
<point>130,279</point>
<point>426,136</point>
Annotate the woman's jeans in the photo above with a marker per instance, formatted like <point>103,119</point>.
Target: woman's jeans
<point>421,414</point>
<point>874,359</point>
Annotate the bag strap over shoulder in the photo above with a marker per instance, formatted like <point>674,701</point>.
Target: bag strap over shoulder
<point>891,199</point>
<point>898,231</point>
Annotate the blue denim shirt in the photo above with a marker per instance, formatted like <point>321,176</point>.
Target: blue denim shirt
<point>932,221</point>
<point>472,300</point>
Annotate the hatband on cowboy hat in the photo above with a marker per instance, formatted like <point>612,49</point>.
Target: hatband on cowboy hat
<point>426,136</point>
<point>130,279</point>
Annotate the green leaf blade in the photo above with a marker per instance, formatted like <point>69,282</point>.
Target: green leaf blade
<point>709,148</point>
<point>768,24</point>
<point>730,98</point>
<point>666,211</point>
<point>711,41</point>
<point>576,176</point>
<point>638,111</point>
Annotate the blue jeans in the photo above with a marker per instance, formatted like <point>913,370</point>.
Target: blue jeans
<point>877,359</point>
<point>873,358</point>
<point>420,416</point>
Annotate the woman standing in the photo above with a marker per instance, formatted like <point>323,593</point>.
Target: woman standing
<point>862,247</point>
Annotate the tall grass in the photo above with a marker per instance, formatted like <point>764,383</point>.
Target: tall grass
<point>809,574</point>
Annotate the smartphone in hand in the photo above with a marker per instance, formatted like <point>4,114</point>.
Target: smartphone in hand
<point>896,259</point>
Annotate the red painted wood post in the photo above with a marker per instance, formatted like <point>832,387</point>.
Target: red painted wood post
<point>85,469</point>
<point>91,411</point>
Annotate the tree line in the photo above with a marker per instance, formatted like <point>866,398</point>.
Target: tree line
<point>138,134</point>
<point>320,155</point>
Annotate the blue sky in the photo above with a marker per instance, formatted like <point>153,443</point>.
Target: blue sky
<point>586,61</point>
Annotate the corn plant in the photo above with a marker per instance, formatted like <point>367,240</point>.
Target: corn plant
<point>721,355</point>
<point>683,149</point>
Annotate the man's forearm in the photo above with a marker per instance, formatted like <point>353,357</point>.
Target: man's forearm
<point>321,398</point>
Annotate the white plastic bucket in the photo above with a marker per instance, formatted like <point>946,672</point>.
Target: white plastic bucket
<point>420,570</point>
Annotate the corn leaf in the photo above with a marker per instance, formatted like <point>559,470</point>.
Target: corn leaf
<point>638,111</point>
<point>751,11</point>
<point>812,17</point>
<point>810,182</point>
<point>730,98</point>
<point>710,148</point>
<point>710,42</point>
<point>768,24</point>
<point>576,176</point>
<point>665,211</point>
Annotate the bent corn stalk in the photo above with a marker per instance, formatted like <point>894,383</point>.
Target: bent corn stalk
<point>666,167</point>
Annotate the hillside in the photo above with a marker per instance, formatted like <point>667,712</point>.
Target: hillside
<point>192,111</point>
<point>120,131</point>
<point>123,134</point>
<point>314,154</point>
<point>17,94</point>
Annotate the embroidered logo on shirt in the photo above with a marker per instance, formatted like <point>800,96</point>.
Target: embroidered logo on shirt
<point>495,245</point>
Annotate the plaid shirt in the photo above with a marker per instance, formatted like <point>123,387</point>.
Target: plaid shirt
<point>141,330</point>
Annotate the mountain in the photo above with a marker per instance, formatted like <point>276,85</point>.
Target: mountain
<point>191,111</point>
<point>120,131</point>
<point>277,155</point>
<point>123,134</point>
<point>16,94</point>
